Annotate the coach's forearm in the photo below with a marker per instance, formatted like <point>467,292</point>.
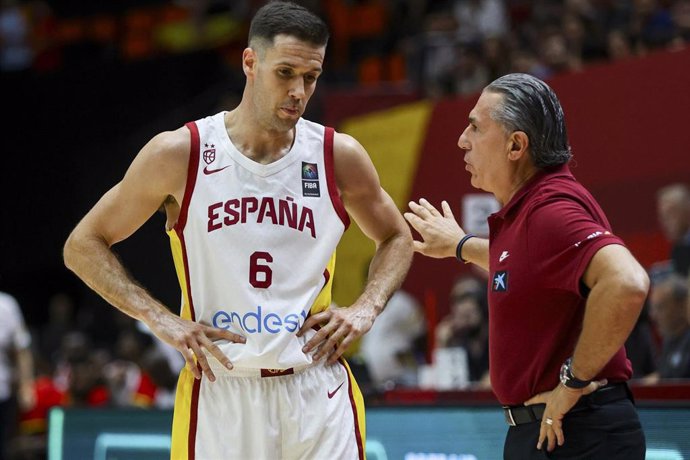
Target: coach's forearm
<point>476,250</point>
<point>92,260</point>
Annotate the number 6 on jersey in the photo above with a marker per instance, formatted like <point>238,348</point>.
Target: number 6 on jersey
<point>256,268</point>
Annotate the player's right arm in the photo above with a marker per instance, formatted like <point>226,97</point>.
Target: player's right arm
<point>158,172</point>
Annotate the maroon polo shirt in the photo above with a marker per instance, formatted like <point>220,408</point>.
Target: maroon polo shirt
<point>540,245</point>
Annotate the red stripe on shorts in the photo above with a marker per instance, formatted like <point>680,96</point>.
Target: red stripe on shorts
<point>358,434</point>
<point>191,441</point>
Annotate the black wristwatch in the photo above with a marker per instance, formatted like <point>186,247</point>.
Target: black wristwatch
<point>568,379</point>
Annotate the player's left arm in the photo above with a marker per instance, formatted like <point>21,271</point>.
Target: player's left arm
<point>378,217</point>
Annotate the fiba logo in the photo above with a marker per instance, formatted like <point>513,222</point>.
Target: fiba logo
<point>209,154</point>
<point>309,171</point>
<point>310,179</point>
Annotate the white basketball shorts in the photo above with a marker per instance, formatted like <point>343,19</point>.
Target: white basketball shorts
<point>313,412</point>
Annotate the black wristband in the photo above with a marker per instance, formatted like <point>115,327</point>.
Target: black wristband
<point>458,249</point>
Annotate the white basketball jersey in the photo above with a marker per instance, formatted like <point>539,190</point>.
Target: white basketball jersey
<point>254,245</point>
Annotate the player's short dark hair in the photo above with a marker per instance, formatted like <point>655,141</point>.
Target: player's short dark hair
<point>287,18</point>
<point>530,105</point>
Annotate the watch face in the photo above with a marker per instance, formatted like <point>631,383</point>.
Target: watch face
<point>564,374</point>
<point>569,380</point>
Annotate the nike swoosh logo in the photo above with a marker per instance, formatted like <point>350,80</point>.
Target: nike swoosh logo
<point>211,171</point>
<point>332,393</point>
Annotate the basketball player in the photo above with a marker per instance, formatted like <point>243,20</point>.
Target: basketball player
<point>256,201</point>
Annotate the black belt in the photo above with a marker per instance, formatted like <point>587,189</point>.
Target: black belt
<point>517,415</point>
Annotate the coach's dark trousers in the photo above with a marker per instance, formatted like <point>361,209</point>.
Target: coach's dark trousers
<point>608,432</point>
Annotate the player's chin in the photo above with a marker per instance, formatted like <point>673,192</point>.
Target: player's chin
<point>286,123</point>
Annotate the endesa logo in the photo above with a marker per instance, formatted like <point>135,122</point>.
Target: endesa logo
<point>257,322</point>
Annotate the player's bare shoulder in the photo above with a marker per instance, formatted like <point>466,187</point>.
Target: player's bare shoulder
<point>168,151</point>
<point>162,163</point>
<point>354,171</point>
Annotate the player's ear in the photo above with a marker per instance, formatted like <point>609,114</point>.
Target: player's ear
<point>518,143</point>
<point>249,60</point>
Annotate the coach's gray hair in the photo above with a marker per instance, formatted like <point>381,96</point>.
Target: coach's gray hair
<point>531,106</point>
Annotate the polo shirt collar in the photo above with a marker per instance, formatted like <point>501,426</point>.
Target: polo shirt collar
<point>540,177</point>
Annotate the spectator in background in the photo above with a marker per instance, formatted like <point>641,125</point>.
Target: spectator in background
<point>471,74</point>
<point>556,55</point>
<point>466,326</point>
<point>61,314</point>
<point>480,19</point>
<point>641,348</point>
<point>156,367</point>
<point>127,383</point>
<point>680,12</point>
<point>670,311</point>
<point>651,25</point>
<point>673,207</point>
<point>16,53</point>
<point>78,373</point>
<point>618,45</point>
<point>388,349</point>
<point>496,56</point>
<point>524,61</point>
<point>15,344</point>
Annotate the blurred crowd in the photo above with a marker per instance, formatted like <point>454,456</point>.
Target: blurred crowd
<point>435,47</point>
<point>79,358</point>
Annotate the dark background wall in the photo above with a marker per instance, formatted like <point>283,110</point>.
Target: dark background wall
<point>67,138</point>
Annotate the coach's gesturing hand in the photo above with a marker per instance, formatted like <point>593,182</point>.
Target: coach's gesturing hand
<point>440,232</point>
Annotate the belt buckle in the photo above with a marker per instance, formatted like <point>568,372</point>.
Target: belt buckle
<point>508,414</point>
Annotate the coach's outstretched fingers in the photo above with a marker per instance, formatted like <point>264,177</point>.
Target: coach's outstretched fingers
<point>440,232</point>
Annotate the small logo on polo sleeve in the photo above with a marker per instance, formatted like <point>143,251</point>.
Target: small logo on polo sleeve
<point>591,236</point>
<point>500,282</point>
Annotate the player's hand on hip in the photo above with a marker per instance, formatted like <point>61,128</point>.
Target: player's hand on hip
<point>340,327</point>
<point>191,338</point>
<point>440,232</point>
<point>558,402</point>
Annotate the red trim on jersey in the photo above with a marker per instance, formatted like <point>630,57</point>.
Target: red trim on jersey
<point>330,177</point>
<point>187,279</point>
<point>192,171</point>
<point>358,434</point>
<point>191,440</point>
<point>326,277</point>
